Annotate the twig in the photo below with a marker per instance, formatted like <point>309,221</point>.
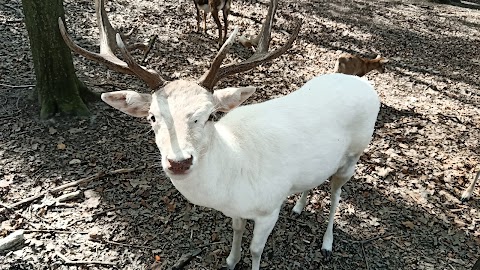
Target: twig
<point>185,259</point>
<point>68,261</point>
<point>207,245</point>
<point>109,85</point>
<point>122,244</point>
<point>17,86</point>
<point>365,257</point>
<point>18,214</point>
<point>74,183</point>
<point>451,266</point>
<point>78,182</point>
<point>367,240</point>
<point>52,231</point>
<point>12,240</point>
<point>14,21</point>
<point>149,48</point>
<point>93,215</point>
<point>211,244</point>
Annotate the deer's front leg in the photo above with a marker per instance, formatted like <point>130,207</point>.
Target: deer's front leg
<point>238,225</point>
<point>263,228</point>
<point>204,22</point>
<point>198,18</point>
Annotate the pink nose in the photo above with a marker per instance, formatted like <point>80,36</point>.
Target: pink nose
<point>180,166</point>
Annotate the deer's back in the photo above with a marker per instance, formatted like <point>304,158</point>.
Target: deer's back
<point>330,116</point>
<point>350,64</point>
<point>332,101</point>
<point>283,143</point>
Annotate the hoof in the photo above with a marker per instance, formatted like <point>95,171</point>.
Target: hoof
<point>327,255</point>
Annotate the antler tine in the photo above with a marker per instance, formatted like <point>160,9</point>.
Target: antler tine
<point>108,45</point>
<point>109,60</point>
<point>265,33</point>
<point>149,76</point>
<point>106,32</point>
<point>258,58</point>
<point>208,79</point>
<point>216,73</point>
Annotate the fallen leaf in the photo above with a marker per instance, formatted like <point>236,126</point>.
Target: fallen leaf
<point>409,224</point>
<point>92,202</point>
<point>95,233</point>
<point>171,206</point>
<point>138,182</point>
<point>61,146</point>
<point>4,183</point>
<point>75,161</point>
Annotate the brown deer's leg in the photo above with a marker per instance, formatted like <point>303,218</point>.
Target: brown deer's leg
<point>219,25</point>
<point>226,11</point>
<point>198,17</point>
<point>204,22</point>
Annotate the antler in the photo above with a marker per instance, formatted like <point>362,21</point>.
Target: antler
<point>108,45</point>
<point>261,55</point>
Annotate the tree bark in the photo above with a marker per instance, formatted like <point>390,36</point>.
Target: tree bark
<point>477,265</point>
<point>57,87</point>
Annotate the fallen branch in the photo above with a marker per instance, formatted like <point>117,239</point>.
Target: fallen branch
<point>186,258</point>
<point>207,245</point>
<point>367,240</point>
<point>365,257</point>
<point>68,261</point>
<point>17,86</point>
<point>52,231</point>
<point>74,183</point>
<point>8,208</point>
<point>12,240</point>
<point>93,215</point>
<point>78,182</point>
<point>120,244</point>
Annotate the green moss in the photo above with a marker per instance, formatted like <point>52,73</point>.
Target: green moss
<point>58,88</point>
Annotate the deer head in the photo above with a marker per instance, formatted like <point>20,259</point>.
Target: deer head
<point>379,63</point>
<point>180,111</point>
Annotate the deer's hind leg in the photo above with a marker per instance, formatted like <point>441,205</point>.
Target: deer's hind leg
<point>298,208</point>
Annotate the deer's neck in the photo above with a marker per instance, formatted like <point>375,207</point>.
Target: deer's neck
<point>370,65</point>
<point>222,175</point>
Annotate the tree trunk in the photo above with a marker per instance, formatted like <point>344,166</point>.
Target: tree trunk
<point>57,86</point>
<point>477,265</point>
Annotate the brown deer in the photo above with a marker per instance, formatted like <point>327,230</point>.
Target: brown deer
<point>355,65</point>
<point>214,6</point>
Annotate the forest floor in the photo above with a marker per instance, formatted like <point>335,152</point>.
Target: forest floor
<point>401,210</point>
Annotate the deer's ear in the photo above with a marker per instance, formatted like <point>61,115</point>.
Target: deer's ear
<point>229,98</point>
<point>129,102</point>
<point>383,61</point>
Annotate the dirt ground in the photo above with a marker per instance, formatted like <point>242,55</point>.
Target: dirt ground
<point>400,211</point>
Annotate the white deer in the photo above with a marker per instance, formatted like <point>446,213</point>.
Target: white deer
<point>249,161</point>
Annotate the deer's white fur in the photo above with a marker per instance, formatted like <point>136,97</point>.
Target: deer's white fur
<point>248,162</point>
<point>467,193</point>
